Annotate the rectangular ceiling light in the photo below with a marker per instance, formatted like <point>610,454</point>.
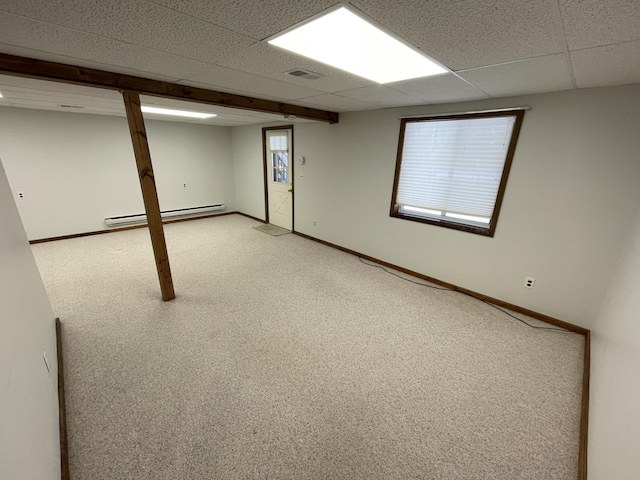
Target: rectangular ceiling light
<point>344,40</point>
<point>176,113</point>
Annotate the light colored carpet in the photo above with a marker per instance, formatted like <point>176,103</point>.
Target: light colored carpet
<point>282,358</point>
<point>271,229</point>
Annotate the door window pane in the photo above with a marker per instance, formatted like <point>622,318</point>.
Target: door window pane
<point>279,163</point>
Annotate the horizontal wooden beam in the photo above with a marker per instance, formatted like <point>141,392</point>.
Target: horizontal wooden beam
<point>60,72</point>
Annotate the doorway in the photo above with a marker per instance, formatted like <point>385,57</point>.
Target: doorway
<point>278,175</point>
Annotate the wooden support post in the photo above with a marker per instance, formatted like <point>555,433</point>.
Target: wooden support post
<point>149,192</point>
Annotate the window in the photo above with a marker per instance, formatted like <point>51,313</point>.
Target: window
<point>279,158</point>
<point>452,170</point>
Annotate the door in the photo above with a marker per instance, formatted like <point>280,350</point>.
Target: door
<point>279,177</point>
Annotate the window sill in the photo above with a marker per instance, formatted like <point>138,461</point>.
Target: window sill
<point>486,232</point>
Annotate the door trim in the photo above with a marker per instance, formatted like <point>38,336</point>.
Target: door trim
<point>266,177</point>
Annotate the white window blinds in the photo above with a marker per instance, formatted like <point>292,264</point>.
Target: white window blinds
<point>454,166</point>
<point>278,143</point>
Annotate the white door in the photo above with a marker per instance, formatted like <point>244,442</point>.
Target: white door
<point>279,181</point>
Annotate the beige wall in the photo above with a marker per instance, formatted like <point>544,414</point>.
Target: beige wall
<point>574,184</point>
<point>615,374</point>
<point>77,169</point>
<point>248,170</point>
<point>29,443</point>
<point>248,167</point>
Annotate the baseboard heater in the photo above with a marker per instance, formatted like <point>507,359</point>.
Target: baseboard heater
<point>167,214</point>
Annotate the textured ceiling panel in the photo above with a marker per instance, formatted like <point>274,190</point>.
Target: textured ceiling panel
<point>54,57</point>
<point>36,35</point>
<point>335,103</point>
<point>42,95</point>
<point>256,19</point>
<point>202,107</point>
<point>607,66</point>
<point>225,116</point>
<point>440,89</point>
<point>269,61</point>
<point>235,81</point>
<point>38,94</point>
<point>40,105</point>
<point>536,75</point>
<point>464,34</point>
<point>217,88</point>
<point>16,96</point>
<point>503,47</point>
<point>591,23</point>
<point>381,95</point>
<point>44,87</point>
<point>138,22</point>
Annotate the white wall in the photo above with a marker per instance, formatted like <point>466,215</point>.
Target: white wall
<point>29,442</point>
<point>614,437</point>
<point>574,184</point>
<point>248,169</point>
<point>77,169</point>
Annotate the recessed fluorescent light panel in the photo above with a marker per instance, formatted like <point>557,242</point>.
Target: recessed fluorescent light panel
<point>344,40</point>
<point>176,113</point>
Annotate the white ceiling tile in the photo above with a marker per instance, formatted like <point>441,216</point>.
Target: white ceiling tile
<point>382,95</point>
<point>12,94</point>
<point>256,19</point>
<point>218,88</point>
<point>202,107</point>
<point>591,23</point>
<point>273,62</point>
<point>243,83</point>
<point>40,105</point>
<point>226,116</point>
<point>34,85</point>
<point>517,44</point>
<point>335,103</point>
<point>440,89</point>
<point>464,34</point>
<point>54,57</point>
<point>36,35</point>
<point>137,22</point>
<point>535,75</point>
<point>607,66</point>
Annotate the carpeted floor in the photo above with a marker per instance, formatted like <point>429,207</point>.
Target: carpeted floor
<point>281,358</point>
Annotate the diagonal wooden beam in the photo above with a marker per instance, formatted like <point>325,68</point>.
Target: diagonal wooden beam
<point>60,72</point>
<point>149,192</point>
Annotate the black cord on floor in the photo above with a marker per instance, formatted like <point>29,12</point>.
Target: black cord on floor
<point>464,293</point>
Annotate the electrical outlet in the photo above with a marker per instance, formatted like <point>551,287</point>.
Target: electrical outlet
<point>20,194</point>
<point>529,282</point>
<point>315,223</point>
<point>184,185</point>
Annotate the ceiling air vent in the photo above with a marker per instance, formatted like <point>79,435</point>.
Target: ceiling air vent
<point>71,106</point>
<point>306,74</point>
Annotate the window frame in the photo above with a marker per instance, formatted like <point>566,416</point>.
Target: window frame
<point>489,231</point>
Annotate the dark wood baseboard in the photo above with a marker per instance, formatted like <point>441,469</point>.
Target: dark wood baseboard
<point>122,229</point>
<point>538,316</point>
<point>584,414</point>
<point>251,217</point>
<point>64,446</point>
<point>584,411</point>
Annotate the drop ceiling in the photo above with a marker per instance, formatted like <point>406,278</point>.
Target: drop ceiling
<point>493,48</point>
